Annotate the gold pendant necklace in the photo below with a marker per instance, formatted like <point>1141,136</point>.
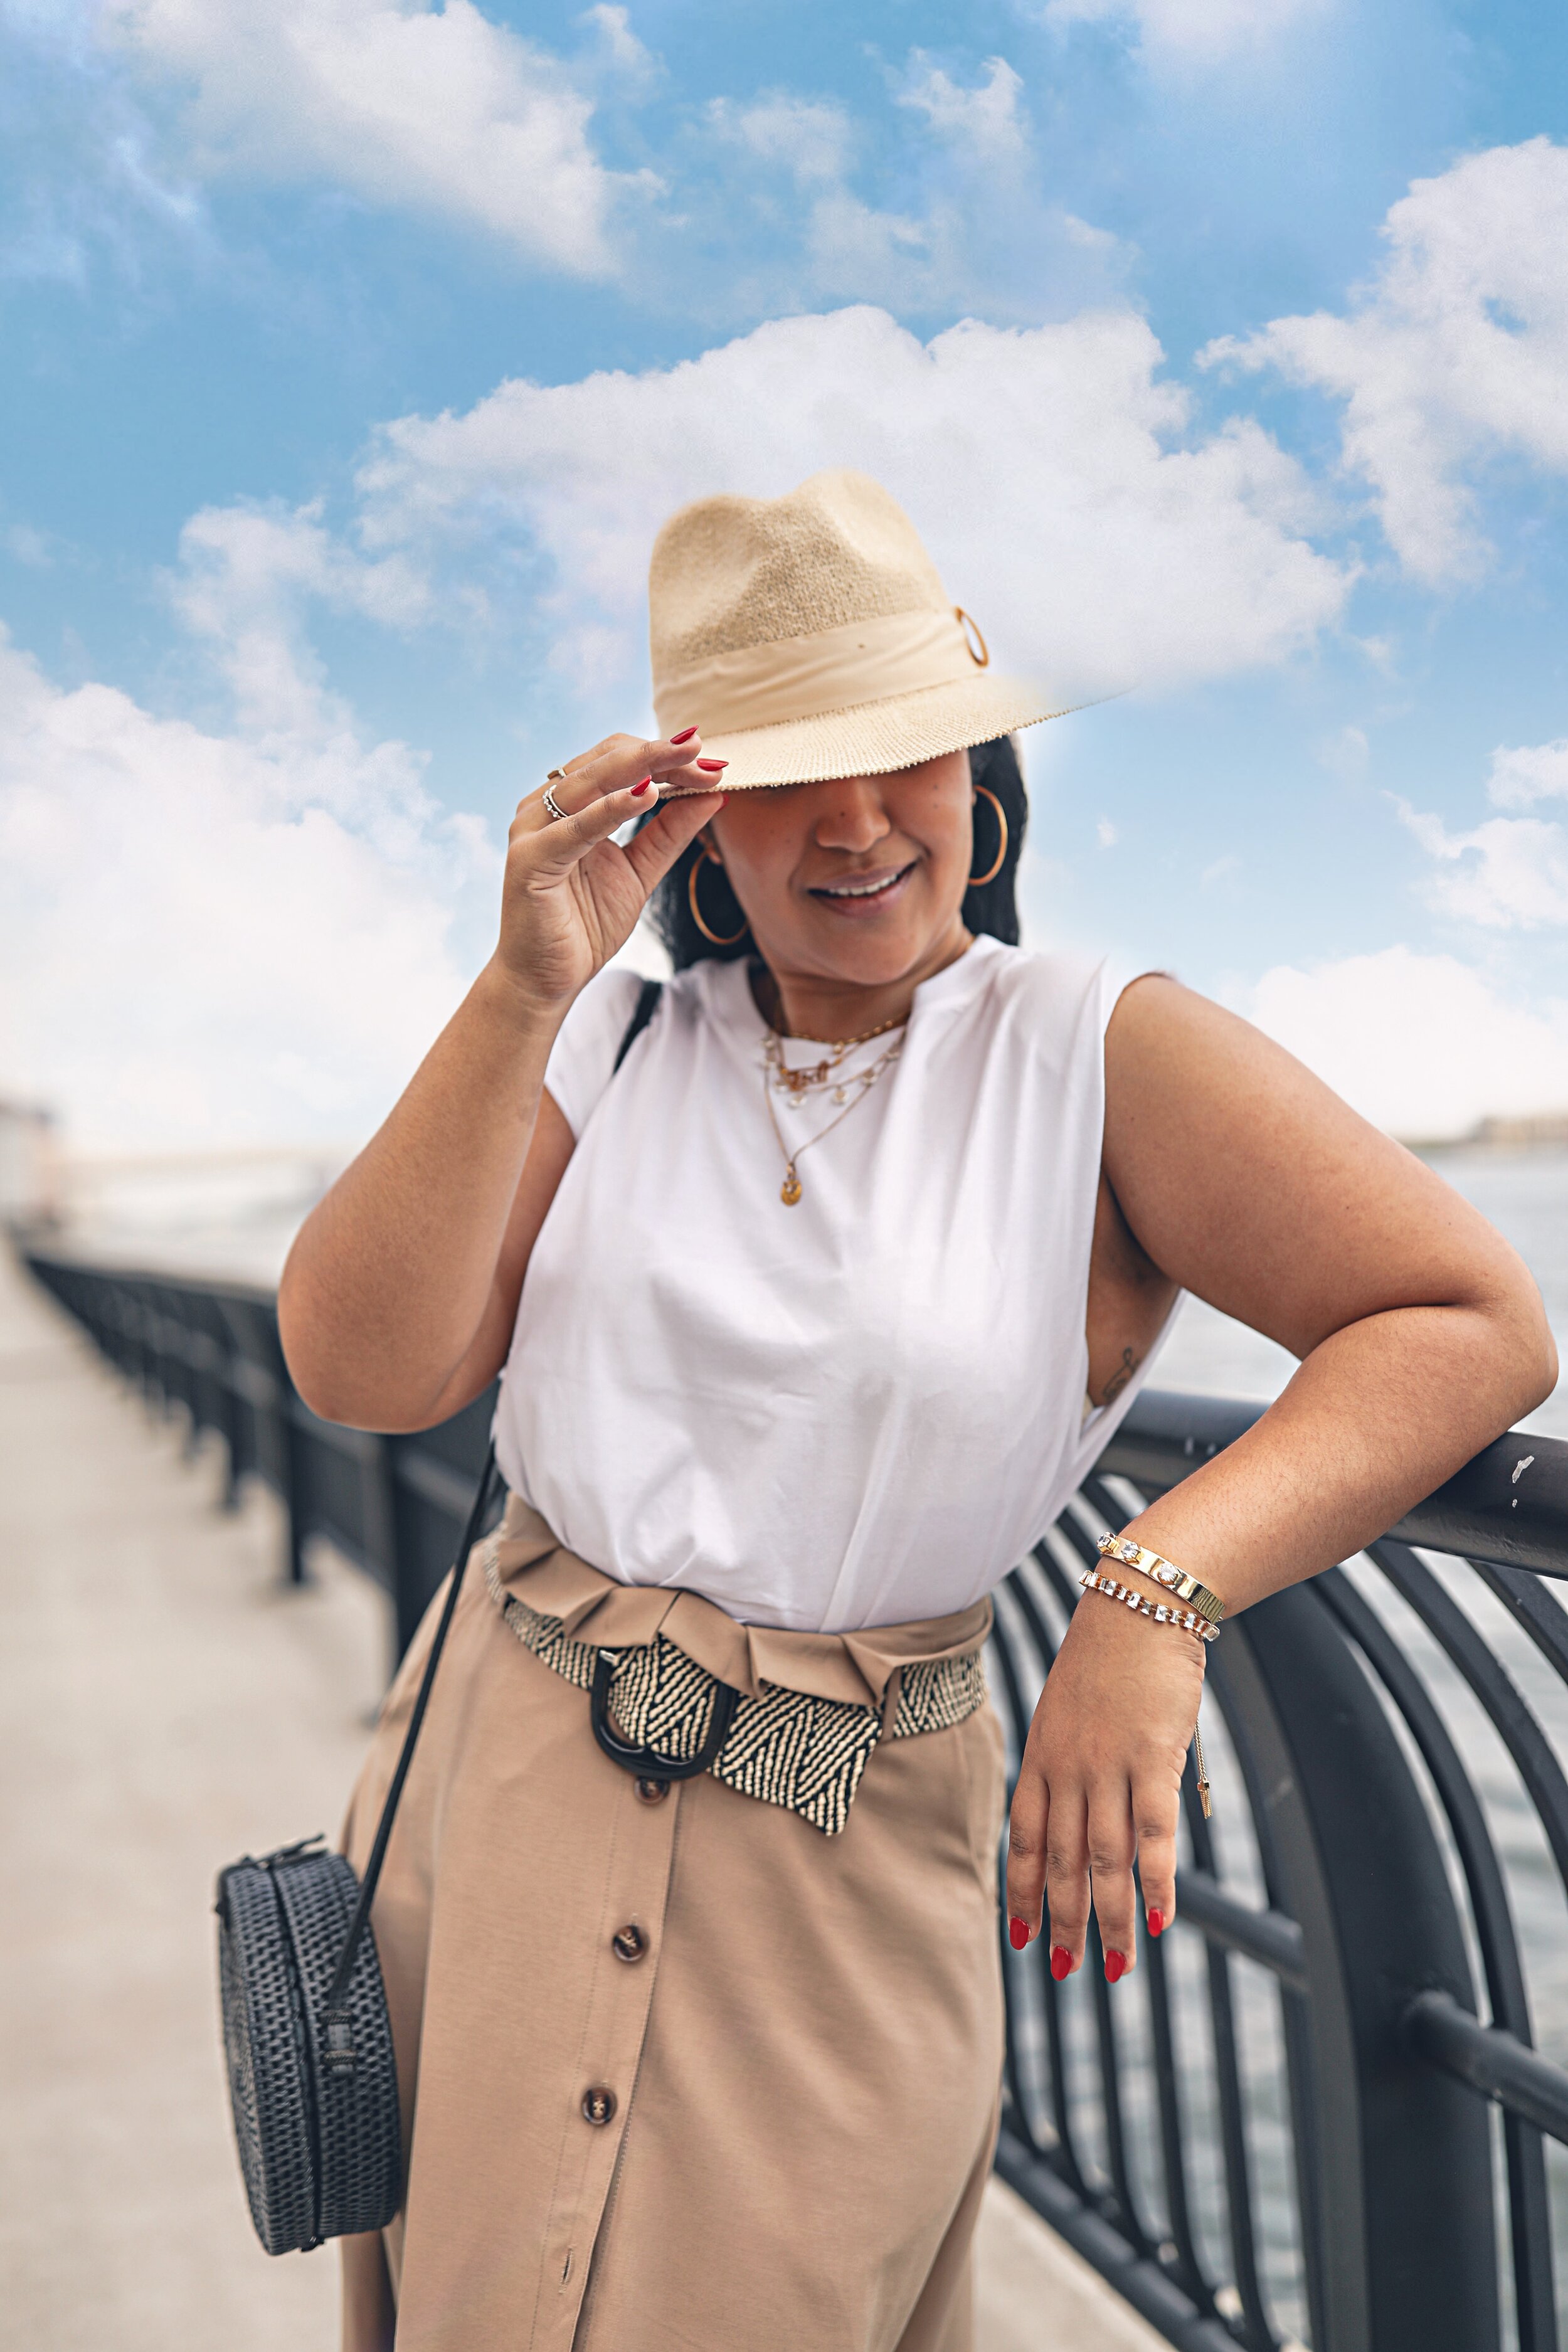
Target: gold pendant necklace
<point>864,1080</point>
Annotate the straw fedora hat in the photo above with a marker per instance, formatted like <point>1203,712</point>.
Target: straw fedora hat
<point>809,636</point>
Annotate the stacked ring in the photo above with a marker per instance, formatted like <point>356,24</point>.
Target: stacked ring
<point>552,808</point>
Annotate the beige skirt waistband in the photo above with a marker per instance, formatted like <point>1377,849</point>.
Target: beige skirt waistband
<point>530,1564</point>
<point>812,1706</point>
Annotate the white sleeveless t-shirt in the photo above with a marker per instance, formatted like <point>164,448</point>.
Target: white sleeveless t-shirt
<point>857,1411</point>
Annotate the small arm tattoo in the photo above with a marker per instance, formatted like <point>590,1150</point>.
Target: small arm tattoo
<point>1120,1377</point>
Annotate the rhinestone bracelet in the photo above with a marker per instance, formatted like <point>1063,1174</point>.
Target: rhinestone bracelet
<point>1162,1612</point>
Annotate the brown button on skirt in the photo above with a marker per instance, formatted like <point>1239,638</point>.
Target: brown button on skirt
<point>684,2076</point>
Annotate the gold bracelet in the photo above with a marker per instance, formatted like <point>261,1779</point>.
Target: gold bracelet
<point>1165,1572</point>
<point>1162,1611</point>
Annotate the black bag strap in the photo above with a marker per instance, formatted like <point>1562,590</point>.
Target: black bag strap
<point>339,2040</point>
<point>337,1989</point>
<point>647,1006</point>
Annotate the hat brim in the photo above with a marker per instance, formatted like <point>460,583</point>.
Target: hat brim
<point>873,738</point>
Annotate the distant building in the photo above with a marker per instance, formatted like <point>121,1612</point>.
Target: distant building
<point>1540,1127</point>
<point>29,1166</point>
<point>1531,1131</point>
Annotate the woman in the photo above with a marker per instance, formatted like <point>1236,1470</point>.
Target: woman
<point>813,1314</point>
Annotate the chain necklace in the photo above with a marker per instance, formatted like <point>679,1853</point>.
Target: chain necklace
<point>813,1076</point>
<point>861,1081</point>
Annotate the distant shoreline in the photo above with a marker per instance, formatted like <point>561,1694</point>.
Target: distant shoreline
<point>1540,1131</point>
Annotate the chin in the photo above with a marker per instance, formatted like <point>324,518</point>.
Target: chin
<point>874,957</point>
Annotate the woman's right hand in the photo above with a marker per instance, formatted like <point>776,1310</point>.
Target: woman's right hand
<point>571,895</point>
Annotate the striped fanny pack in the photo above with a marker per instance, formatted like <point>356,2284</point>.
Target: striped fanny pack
<point>786,1748</point>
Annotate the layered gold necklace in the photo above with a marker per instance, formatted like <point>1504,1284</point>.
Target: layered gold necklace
<point>845,1087</point>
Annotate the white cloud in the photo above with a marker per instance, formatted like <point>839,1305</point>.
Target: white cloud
<point>1187,31</point>
<point>1506,873</point>
<point>986,119</point>
<point>422,109</point>
<point>1344,753</point>
<point>972,230</point>
<point>245,573</point>
<point>1051,470</point>
<point>29,545</point>
<point>1529,772</point>
<point>811,138</point>
<point>1456,353</point>
<point>1422,1044</point>
<point>620,44</point>
<point>207,940</point>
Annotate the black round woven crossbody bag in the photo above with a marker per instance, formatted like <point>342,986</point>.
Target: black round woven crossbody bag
<point>312,2076</point>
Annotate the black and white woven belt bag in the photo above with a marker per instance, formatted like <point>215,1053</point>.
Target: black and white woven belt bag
<point>312,2076</point>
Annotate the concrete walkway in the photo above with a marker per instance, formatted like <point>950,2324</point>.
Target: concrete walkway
<point>166,1705</point>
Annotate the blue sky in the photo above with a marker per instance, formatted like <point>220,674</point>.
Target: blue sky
<point>353,352</point>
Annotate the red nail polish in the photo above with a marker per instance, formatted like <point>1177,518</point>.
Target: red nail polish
<point>712,767</point>
<point>685,735</point>
<point>638,789</point>
<point>1018,1934</point>
<point>1115,1964</point>
<point>1061,1962</point>
<point>1156,1923</point>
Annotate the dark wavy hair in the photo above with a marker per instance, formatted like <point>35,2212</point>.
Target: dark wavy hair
<point>991,906</point>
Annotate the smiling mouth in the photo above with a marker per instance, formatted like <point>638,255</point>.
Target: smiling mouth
<point>861,887</point>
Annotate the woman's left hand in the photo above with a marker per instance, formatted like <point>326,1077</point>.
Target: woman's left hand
<point>1099,1784</point>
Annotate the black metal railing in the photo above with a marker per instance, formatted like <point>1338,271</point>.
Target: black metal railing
<point>1317,2115</point>
<point>394,1506</point>
<point>1316,2112</point>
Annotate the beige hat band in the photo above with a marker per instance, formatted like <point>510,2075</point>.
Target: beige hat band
<point>801,677</point>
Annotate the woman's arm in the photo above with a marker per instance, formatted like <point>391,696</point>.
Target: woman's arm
<point>1421,1336</point>
<point>397,1301</point>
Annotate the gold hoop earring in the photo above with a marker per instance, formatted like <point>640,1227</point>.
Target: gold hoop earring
<point>705,858</point>
<point>978,881</point>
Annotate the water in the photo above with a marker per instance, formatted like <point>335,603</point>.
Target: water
<point>1523,1193</point>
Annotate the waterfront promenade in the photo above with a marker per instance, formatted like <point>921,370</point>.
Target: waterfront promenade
<point>165,1704</point>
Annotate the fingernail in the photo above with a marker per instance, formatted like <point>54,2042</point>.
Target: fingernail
<point>1061,1962</point>
<point>712,767</point>
<point>638,789</point>
<point>1018,1934</point>
<point>1156,1923</point>
<point>1115,1964</point>
<point>685,735</point>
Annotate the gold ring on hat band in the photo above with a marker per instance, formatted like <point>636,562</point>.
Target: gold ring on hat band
<point>552,808</point>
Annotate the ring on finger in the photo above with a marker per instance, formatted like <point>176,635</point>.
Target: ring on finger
<point>552,808</point>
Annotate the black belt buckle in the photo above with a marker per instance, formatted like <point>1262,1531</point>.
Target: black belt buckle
<point>648,1763</point>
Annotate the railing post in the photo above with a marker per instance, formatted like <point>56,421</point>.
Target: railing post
<point>1393,2158</point>
<point>295,1474</point>
<point>384,1535</point>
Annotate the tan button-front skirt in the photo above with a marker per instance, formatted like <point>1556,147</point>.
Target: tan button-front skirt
<point>678,2074</point>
